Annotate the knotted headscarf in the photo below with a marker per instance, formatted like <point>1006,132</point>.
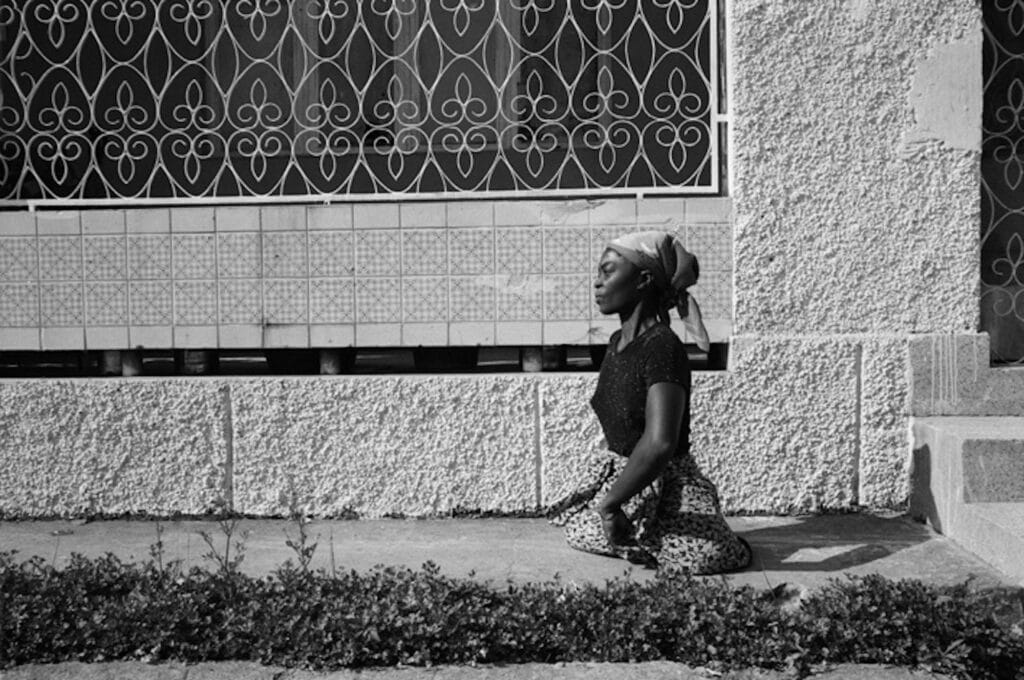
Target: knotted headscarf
<point>673,269</point>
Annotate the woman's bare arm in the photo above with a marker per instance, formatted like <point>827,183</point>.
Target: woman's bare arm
<point>666,403</point>
<point>663,420</point>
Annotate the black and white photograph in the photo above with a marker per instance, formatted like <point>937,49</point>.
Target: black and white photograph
<point>512,339</point>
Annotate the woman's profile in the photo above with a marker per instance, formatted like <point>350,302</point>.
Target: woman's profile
<point>647,501</point>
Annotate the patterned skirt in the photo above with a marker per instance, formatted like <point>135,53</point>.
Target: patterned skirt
<point>678,520</point>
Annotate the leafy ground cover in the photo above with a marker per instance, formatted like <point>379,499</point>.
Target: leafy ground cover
<point>105,609</point>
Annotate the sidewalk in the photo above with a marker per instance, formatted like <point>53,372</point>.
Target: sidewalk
<point>806,551</point>
<point>803,552</point>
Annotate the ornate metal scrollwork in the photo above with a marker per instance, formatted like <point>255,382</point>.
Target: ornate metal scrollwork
<point>1002,179</point>
<point>211,98</point>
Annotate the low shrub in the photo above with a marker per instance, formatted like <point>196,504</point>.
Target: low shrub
<point>105,609</point>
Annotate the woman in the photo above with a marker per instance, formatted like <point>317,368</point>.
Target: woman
<point>649,503</point>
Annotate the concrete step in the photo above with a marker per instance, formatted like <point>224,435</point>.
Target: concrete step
<point>968,482</point>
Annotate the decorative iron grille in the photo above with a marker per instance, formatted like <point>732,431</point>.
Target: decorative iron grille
<point>1002,180</point>
<point>117,99</point>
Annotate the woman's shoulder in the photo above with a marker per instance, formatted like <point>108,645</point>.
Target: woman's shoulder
<point>661,336</point>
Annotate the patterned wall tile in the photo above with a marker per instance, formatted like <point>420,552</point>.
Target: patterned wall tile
<point>285,301</point>
<point>378,300</point>
<point>61,304</point>
<point>714,295</point>
<point>520,298</point>
<point>519,251</point>
<point>19,305</point>
<point>567,250</point>
<point>471,251</point>
<point>284,254</point>
<point>331,301</point>
<point>378,252</point>
<point>238,255</point>
<point>60,258</point>
<point>104,258</point>
<point>568,297</point>
<point>18,259</point>
<point>195,303</point>
<point>330,253</point>
<point>425,252</point>
<point>471,298</point>
<point>425,299</point>
<point>195,256</point>
<point>150,303</point>
<point>712,244</point>
<point>149,256</point>
<point>240,301</point>
<point>106,303</point>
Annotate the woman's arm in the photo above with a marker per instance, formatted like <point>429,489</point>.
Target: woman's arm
<point>665,405</point>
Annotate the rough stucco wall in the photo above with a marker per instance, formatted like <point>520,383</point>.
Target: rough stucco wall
<point>570,435</point>
<point>416,445</point>
<point>885,449</point>
<point>410,445</point>
<point>854,212</point>
<point>74,447</point>
<point>781,439</point>
<point>855,151</point>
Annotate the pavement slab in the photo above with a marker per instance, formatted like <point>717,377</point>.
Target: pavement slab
<point>804,552</point>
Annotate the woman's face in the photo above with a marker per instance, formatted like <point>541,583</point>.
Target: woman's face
<point>617,287</point>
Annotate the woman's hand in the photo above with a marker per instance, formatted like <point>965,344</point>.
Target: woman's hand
<point>618,530</point>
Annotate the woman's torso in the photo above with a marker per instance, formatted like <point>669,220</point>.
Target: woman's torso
<point>656,355</point>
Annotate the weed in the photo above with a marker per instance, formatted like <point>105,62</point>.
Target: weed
<point>228,524</point>
<point>302,547</point>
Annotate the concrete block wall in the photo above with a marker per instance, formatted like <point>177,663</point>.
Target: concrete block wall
<point>423,445</point>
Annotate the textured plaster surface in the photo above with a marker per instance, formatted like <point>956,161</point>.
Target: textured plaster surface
<point>841,225</point>
<point>950,376</point>
<point>570,435</point>
<point>113,446</point>
<point>407,445</point>
<point>779,433</point>
<point>884,414</point>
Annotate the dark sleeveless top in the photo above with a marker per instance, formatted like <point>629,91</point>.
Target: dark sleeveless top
<point>620,400</point>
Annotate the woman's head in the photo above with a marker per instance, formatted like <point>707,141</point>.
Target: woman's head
<point>652,269</point>
<point>621,285</point>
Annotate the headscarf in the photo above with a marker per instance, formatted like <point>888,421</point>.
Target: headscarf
<point>673,269</point>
